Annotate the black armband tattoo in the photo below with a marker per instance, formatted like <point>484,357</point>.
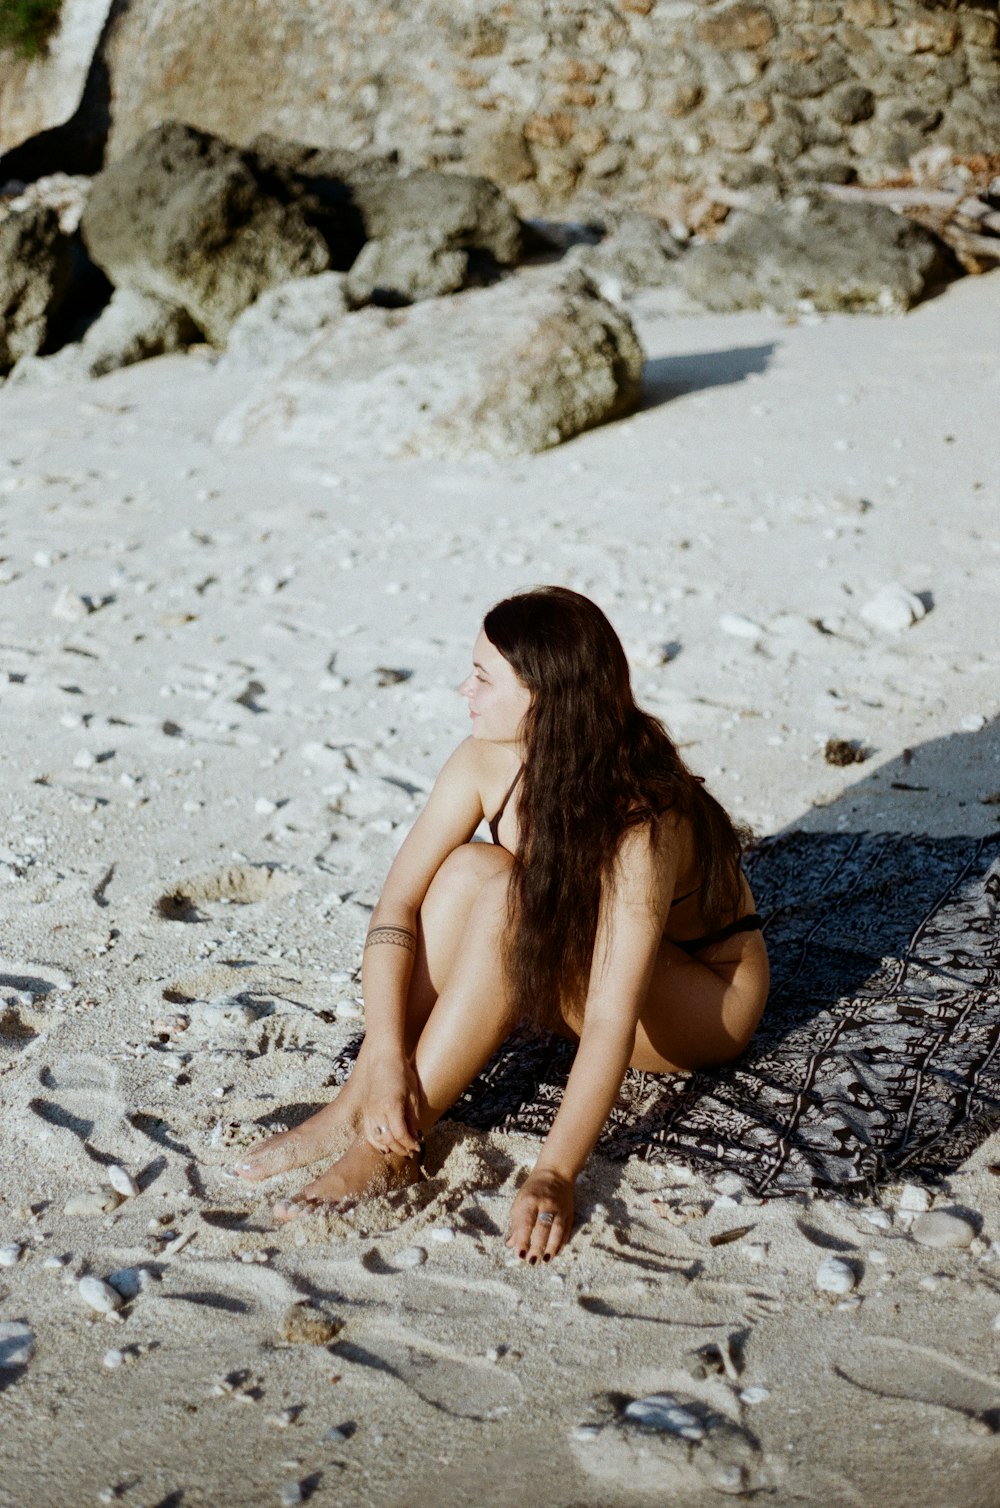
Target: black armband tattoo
<point>401,936</point>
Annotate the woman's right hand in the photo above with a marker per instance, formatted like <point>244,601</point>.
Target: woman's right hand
<point>391,1105</point>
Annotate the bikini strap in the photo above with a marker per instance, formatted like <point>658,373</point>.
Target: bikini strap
<point>494,823</point>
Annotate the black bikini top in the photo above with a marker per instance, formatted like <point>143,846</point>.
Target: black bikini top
<point>495,819</point>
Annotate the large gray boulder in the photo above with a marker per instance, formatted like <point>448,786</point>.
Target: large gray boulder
<point>199,223</point>
<point>463,212</point>
<point>427,233</point>
<point>504,371</point>
<point>814,251</point>
<point>36,273</point>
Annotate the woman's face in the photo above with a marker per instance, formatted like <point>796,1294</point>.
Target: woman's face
<point>497,699</point>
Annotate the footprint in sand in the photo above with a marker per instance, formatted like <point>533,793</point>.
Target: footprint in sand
<point>239,885</point>
<point>29,982</point>
<point>15,1032</point>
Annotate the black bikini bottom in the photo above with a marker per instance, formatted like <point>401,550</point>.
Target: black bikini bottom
<point>751,923</point>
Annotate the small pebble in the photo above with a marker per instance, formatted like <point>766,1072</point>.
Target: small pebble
<point>349,1010</point>
<point>113,1359</point>
<point>755,1395</point>
<point>54,1263</point>
<point>9,1255</point>
<point>121,1181</point>
<point>411,1256</point>
<point>913,1199</point>
<point>100,1296</point>
<point>740,627</point>
<point>879,1218</point>
<point>442,1233</point>
<point>835,1276</point>
<point>17,1343</point>
<point>661,1411</point>
<point>996,1324</point>
<point>585,1432</point>
<point>941,1229</point>
<point>130,1281</point>
<point>336,1436</point>
<point>291,1493</point>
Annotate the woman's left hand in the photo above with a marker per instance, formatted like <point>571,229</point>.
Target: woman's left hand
<point>541,1218</point>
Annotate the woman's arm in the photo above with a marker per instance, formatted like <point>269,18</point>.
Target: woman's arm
<point>629,930</point>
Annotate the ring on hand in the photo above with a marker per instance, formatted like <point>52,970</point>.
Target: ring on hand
<point>381,1130</point>
<point>545,1217</point>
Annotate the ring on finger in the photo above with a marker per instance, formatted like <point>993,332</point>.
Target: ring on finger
<point>545,1217</point>
<point>381,1130</point>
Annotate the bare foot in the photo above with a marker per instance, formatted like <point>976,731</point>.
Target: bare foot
<point>362,1173</point>
<point>326,1134</point>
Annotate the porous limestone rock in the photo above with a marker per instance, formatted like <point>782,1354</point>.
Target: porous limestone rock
<point>639,252</point>
<point>132,327</point>
<point>506,370</point>
<point>405,268</point>
<point>818,252</point>
<point>199,223</point>
<point>36,271</point>
<point>284,320</point>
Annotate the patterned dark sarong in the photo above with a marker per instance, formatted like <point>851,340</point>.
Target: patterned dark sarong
<point>879,1052</point>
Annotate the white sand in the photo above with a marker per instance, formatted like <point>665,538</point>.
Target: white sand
<point>130,769</point>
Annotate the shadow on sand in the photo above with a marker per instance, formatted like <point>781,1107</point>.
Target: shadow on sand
<point>667,377</point>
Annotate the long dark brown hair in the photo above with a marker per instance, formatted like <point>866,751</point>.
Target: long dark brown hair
<point>595,765</point>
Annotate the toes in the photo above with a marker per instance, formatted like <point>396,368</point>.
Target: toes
<point>292,1209</point>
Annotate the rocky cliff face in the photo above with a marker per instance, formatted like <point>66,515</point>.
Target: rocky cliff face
<point>553,101</point>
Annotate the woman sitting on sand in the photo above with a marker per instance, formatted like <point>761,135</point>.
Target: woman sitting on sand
<point>610,908</point>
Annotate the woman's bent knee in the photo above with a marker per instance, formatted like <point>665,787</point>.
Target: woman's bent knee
<point>472,864</point>
<point>464,874</point>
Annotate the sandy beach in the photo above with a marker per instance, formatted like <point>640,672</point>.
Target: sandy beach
<point>227,680</point>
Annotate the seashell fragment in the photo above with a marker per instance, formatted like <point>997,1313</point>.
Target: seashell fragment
<point>121,1181</point>
<point>411,1256</point>
<point>93,1202</point>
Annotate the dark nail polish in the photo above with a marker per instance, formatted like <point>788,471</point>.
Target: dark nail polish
<point>532,1261</point>
<point>522,1253</point>
<point>546,1258</point>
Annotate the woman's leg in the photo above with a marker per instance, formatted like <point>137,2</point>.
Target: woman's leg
<point>467,1023</point>
<point>702,1010</point>
<point>442,924</point>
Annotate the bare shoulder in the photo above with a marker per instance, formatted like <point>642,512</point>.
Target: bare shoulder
<point>476,767</point>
